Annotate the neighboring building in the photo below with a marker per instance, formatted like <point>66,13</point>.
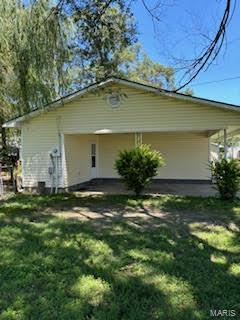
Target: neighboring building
<point>78,137</point>
<point>214,151</point>
<point>234,152</point>
<point>217,149</point>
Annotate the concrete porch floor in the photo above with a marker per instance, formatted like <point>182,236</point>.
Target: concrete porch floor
<point>156,188</point>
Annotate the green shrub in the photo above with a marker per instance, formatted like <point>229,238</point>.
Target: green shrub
<point>226,175</point>
<point>138,166</point>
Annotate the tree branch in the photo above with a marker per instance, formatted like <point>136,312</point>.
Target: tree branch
<point>212,50</point>
<point>150,11</point>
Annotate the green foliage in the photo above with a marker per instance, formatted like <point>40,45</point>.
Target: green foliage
<point>226,174</point>
<point>147,71</point>
<point>188,92</point>
<point>101,36</point>
<point>137,66</point>
<point>166,266</point>
<point>9,155</point>
<point>33,53</point>
<point>47,51</point>
<point>138,166</point>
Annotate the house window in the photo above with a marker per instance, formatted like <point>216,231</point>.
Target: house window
<point>93,155</point>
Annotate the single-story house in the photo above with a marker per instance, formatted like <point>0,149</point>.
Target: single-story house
<point>78,137</point>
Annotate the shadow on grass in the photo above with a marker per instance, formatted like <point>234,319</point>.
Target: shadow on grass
<point>148,258</point>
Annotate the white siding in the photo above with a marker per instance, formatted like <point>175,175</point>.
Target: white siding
<point>77,149</point>
<point>109,147</point>
<point>185,154</point>
<point>37,141</point>
<point>139,112</point>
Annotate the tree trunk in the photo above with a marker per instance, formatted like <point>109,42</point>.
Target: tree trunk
<point>4,138</point>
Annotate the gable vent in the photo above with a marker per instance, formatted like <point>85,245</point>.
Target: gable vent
<point>114,100</point>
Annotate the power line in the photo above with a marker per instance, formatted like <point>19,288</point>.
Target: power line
<point>215,81</point>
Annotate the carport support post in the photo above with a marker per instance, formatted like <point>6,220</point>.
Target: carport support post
<point>138,139</point>
<point>225,143</point>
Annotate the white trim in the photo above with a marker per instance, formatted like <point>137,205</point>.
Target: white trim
<point>62,101</point>
<point>63,159</point>
<point>209,157</point>
<point>209,149</point>
<point>54,105</point>
<point>109,131</point>
<point>138,139</point>
<point>177,95</point>
<point>225,143</point>
<point>22,161</point>
<point>95,170</point>
<point>97,157</point>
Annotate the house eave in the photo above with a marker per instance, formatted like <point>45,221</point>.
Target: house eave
<point>62,101</point>
<point>181,96</point>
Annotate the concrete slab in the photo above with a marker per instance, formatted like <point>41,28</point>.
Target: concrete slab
<point>156,188</point>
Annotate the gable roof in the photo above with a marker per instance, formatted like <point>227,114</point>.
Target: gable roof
<point>114,80</point>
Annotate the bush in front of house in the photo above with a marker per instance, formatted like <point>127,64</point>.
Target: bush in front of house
<point>226,175</point>
<point>138,166</point>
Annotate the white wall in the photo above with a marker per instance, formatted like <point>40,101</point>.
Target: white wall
<point>109,147</point>
<point>77,155</point>
<point>186,155</point>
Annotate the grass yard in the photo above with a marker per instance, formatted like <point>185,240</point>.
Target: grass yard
<point>118,257</point>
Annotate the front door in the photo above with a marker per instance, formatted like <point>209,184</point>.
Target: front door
<point>93,160</point>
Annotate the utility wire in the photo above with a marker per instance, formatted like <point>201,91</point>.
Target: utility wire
<point>214,81</point>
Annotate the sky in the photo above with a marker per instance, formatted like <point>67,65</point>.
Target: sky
<point>178,35</point>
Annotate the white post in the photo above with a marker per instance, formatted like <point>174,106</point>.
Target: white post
<point>63,159</point>
<point>225,144</point>
<point>138,139</point>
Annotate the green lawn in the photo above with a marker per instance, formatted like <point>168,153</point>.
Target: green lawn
<point>169,258</point>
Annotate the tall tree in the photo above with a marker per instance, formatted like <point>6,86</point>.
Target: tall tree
<point>102,31</point>
<point>48,49</point>
<point>33,53</point>
<point>136,65</point>
<point>207,55</point>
